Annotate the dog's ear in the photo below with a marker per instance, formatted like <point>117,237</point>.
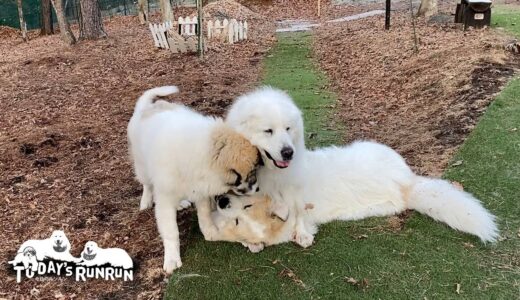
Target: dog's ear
<point>232,151</point>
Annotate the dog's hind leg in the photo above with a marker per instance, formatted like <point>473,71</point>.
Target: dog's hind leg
<point>166,215</point>
<point>146,198</point>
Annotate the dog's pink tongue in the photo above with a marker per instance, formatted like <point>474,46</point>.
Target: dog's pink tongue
<point>282,164</point>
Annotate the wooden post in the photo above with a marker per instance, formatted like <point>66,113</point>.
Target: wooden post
<point>387,15</point>
<point>199,33</point>
<point>23,26</point>
<point>319,8</point>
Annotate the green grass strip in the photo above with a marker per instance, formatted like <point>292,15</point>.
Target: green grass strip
<point>507,17</point>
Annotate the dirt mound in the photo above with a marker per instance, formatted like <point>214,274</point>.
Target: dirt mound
<point>424,104</point>
<point>8,32</point>
<point>229,9</point>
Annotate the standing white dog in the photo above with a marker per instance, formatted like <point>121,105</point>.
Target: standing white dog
<point>180,154</point>
<point>361,180</point>
<point>271,121</point>
<point>93,255</point>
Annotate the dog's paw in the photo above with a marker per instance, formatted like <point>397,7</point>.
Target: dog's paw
<point>184,204</point>
<point>171,264</point>
<point>255,248</point>
<point>146,201</point>
<point>303,239</point>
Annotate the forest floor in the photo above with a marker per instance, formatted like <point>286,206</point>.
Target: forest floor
<point>64,110</point>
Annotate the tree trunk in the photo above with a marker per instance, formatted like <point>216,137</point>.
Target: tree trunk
<point>90,23</point>
<point>66,34</point>
<point>23,26</point>
<point>166,10</point>
<point>428,8</point>
<point>143,11</point>
<point>46,18</point>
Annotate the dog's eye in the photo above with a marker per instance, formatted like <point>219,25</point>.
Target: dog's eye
<point>268,131</point>
<point>238,180</point>
<point>288,128</point>
<point>236,222</point>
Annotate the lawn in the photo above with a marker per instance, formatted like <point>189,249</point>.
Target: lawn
<point>372,259</point>
<point>507,17</point>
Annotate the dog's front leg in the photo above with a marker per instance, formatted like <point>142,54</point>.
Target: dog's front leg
<point>166,215</point>
<point>301,236</point>
<point>207,227</point>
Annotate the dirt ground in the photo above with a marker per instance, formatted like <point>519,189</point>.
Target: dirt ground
<point>63,150</point>
<point>64,110</point>
<point>423,105</point>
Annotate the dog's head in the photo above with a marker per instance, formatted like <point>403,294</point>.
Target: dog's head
<point>90,251</point>
<point>29,252</point>
<point>272,122</point>
<point>237,159</point>
<point>246,219</point>
<point>60,242</point>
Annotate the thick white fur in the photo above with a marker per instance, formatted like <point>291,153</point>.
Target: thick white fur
<point>171,154</point>
<point>269,108</point>
<point>45,249</point>
<point>361,180</point>
<point>93,255</point>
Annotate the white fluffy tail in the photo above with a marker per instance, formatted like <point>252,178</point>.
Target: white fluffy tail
<point>443,202</point>
<point>149,96</point>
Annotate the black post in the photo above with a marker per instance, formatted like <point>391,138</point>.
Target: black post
<point>387,15</point>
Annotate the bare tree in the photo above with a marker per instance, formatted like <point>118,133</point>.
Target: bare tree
<point>46,18</point>
<point>90,23</point>
<point>166,10</point>
<point>66,34</point>
<point>428,8</point>
<point>142,6</point>
<point>23,26</point>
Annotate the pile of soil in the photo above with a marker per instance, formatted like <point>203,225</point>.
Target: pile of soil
<point>422,104</point>
<point>229,9</point>
<point>63,149</point>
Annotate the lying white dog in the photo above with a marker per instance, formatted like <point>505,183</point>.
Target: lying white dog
<point>93,255</point>
<point>56,247</point>
<point>361,180</point>
<point>272,122</point>
<point>180,154</point>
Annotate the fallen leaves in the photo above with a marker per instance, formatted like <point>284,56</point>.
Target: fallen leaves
<point>288,273</point>
<point>362,284</point>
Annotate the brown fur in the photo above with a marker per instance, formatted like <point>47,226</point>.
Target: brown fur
<point>259,212</point>
<point>233,151</point>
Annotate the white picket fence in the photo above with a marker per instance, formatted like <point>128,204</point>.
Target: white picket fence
<point>159,34</point>
<point>188,25</point>
<point>163,34</point>
<point>227,31</point>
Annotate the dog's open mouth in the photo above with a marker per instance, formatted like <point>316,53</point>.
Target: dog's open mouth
<point>89,256</point>
<point>278,164</point>
<point>59,248</point>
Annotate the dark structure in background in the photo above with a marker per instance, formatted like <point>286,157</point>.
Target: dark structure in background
<point>473,13</point>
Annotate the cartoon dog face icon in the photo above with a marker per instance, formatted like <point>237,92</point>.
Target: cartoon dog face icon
<point>60,242</point>
<point>90,251</point>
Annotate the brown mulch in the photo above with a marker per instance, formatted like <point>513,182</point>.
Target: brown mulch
<point>423,105</point>
<point>63,151</point>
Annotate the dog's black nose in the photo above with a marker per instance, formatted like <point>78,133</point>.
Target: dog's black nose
<point>223,202</point>
<point>287,153</point>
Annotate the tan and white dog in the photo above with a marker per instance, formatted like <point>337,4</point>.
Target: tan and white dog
<point>180,154</point>
<point>357,181</point>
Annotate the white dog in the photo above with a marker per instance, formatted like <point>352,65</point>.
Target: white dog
<point>56,247</point>
<point>272,122</point>
<point>361,180</point>
<point>180,154</point>
<point>93,255</point>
